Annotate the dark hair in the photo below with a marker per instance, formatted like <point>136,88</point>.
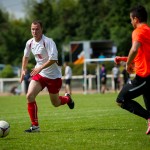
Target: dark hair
<point>140,13</point>
<point>103,65</point>
<point>38,22</point>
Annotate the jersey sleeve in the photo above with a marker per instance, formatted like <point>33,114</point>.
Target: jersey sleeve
<point>27,49</point>
<point>137,36</point>
<point>52,50</point>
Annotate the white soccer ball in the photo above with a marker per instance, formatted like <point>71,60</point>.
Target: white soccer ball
<point>4,128</point>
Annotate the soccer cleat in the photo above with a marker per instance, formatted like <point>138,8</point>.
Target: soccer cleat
<point>33,129</point>
<point>71,102</point>
<point>148,129</point>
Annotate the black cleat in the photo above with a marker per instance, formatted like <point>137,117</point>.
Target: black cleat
<point>71,102</point>
<point>33,129</point>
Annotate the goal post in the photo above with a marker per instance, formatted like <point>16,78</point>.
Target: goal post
<point>96,60</point>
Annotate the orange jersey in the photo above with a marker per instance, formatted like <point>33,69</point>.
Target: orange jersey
<point>142,59</point>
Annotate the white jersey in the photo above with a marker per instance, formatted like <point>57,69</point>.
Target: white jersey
<point>43,51</point>
<point>68,72</point>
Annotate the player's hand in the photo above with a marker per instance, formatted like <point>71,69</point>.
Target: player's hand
<point>118,59</point>
<point>130,68</point>
<point>35,71</point>
<point>22,75</point>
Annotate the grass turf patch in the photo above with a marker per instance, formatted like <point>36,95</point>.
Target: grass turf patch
<point>96,123</point>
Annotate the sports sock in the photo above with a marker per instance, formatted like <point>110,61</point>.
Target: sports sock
<point>32,110</point>
<point>64,99</point>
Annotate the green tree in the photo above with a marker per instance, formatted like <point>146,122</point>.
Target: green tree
<point>3,28</point>
<point>42,11</point>
<point>13,42</point>
<point>7,72</point>
<point>119,26</point>
<point>65,22</point>
<point>69,20</point>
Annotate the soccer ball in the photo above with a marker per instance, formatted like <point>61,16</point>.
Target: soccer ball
<point>4,128</point>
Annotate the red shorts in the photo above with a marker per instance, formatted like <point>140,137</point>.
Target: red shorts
<point>53,85</point>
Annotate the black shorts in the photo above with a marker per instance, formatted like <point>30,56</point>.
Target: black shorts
<point>103,80</point>
<point>68,81</point>
<point>134,88</point>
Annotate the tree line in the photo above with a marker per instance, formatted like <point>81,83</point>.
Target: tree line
<point>66,21</point>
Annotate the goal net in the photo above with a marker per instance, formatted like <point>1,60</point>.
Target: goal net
<point>85,69</point>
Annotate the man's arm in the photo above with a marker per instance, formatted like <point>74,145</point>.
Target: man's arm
<point>45,65</point>
<point>118,59</point>
<point>24,65</point>
<point>132,54</point>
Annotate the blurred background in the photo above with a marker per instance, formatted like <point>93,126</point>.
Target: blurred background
<point>103,26</point>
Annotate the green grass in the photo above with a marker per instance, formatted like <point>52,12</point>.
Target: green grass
<point>96,123</point>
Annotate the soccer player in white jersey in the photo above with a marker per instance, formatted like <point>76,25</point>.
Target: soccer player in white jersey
<point>46,73</point>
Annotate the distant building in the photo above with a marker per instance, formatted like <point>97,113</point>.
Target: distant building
<point>91,49</point>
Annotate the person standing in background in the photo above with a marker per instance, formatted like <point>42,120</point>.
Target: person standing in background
<point>126,75</point>
<point>27,79</point>
<point>103,78</point>
<point>68,76</point>
<point>116,77</point>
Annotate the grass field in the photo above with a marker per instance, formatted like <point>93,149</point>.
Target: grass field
<point>96,123</point>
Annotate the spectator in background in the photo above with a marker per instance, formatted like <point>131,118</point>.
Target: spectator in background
<point>15,90</point>
<point>87,83</point>
<point>126,76</point>
<point>101,56</point>
<point>103,78</point>
<point>27,79</point>
<point>68,76</point>
<point>116,77</point>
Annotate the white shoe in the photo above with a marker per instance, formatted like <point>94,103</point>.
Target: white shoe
<point>33,128</point>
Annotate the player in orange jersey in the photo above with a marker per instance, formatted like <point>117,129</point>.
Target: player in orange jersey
<point>140,55</point>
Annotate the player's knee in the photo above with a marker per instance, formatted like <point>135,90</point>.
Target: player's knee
<point>119,102</point>
<point>55,103</point>
<point>30,97</point>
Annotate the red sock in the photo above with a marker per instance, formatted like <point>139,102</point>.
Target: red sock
<point>32,110</point>
<point>64,99</point>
